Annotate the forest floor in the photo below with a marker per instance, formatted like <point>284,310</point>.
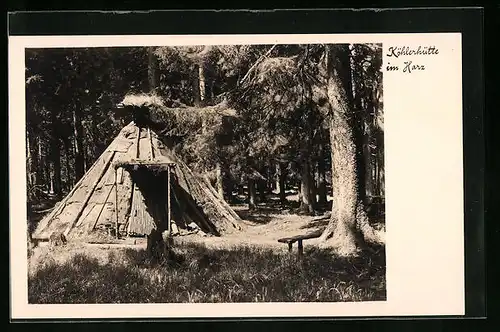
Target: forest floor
<point>245,266</point>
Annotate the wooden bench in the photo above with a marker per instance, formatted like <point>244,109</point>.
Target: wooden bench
<point>299,238</point>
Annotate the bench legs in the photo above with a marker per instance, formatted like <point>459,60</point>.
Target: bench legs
<point>300,247</point>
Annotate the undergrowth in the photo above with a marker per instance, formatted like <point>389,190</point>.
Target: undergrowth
<point>201,274</point>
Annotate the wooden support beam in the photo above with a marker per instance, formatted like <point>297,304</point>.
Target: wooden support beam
<point>137,141</point>
<point>152,156</point>
<point>116,204</point>
<point>132,211</point>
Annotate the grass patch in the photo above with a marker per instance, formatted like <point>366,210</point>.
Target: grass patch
<point>201,274</point>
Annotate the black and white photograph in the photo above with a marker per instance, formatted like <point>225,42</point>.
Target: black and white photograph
<point>185,176</point>
<point>205,174</point>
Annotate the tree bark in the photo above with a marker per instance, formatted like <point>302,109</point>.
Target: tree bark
<point>196,86</point>
<point>202,83</point>
<point>360,123</point>
<point>367,156</point>
<point>345,236</point>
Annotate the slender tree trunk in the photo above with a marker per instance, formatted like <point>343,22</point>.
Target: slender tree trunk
<point>29,161</point>
<point>55,174</point>
<point>322,195</point>
<point>153,71</point>
<point>78,143</point>
<point>202,83</point>
<point>40,167</point>
<point>196,86</point>
<point>277,175</point>
<point>306,183</point>
<point>69,176</point>
<point>282,183</point>
<point>219,180</point>
<point>55,156</point>
<point>262,184</point>
<point>251,194</point>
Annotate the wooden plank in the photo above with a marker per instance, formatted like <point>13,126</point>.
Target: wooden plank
<point>120,175</point>
<point>120,145</point>
<point>132,207</point>
<point>89,209</point>
<point>311,235</point>
<point>89,194</point>
<point>152,154</point>
<point>116,203</point>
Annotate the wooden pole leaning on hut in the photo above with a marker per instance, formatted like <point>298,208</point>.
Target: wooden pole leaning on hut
<point>169,208</point>
<point>116,203</point>
<point>151,150</point>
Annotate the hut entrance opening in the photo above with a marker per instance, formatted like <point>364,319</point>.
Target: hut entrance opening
<point>150,205</point>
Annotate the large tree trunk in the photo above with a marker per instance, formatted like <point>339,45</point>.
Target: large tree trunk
<point>347,207</point>
<point>306,189</point>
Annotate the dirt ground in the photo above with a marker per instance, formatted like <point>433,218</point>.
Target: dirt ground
<point>262,227</point>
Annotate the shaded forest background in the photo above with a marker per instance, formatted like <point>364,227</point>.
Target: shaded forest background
<point>275,137</point>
